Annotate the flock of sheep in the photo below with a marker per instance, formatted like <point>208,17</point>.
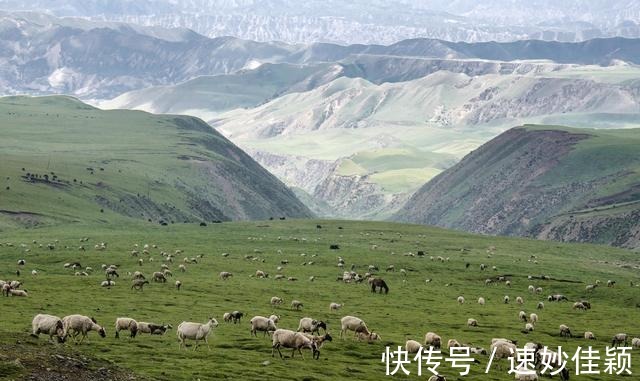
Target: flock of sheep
<point>307,335</point>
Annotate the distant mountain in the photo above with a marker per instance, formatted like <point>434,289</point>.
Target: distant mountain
<point>66,161</point>
<point>362,21</point>
<point>42,54</point>
<point>578,185</point>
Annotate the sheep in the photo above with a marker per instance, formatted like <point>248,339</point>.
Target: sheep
<point>138,284</point>
<point>138,275</point>
<point>531,288</point>
<point>178,285</point>
<point>472,322</point>
<point>539,290</point>
<point>152,328</point>
<point>522,316</point>
<point>21,293</point>
<point>589,335</point>
<point>294,340</point>
<point>110,272</point>
<point>226,317</point>
<point>481,301</point>
<point>519,300</point>
<point>224,275</point>
<point>619,338</point>
<point>506,299</point>
<point>533,318</point>
<point>167,273</point>
<point>278,277</point>
<point>437,377</point>
<point>565,331</point>
<point>635,342</point>
<point>276,301</point>
<point>579,306</point>
<point>195,331</point>
<point>319,340</point>
<point>263,324</point>
<point>528,327</point>
<point>126,324</point>
<point>275,318</point>
<point>34,272</point>
<point>261,274</point>
<point>308,324</point>
<point>350,323</point>
<point>80,324</point>
<point>586,304</point>
<point>296,304</point>
<point>159,277</point>
<point>433,340</point>
<point>412,346</point>
<point>48,324</point>
<point>236,316</point>
<point>508,283</point>
<point>363,334</point>
<point>453,343</point>
<point>540,306</point>
<point>460,300</point>
<point>590,287</point>
<point>524,374</point>
<point>107,283</point>
<point>335,306</point>
<point>611,283</point>
<point>6,288</point>
<point>502,348</point>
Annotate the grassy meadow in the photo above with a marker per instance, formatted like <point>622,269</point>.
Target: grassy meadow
<point>412,307</point>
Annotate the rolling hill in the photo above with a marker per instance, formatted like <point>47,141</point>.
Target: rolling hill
<point>65,161</point>
<point>579,185</point>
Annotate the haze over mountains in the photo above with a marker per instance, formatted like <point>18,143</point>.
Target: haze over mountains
<point>365,22</point>
<point>353,130</point>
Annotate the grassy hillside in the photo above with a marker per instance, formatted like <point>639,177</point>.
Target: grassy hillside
<point>64,161</point>
<point>543,181</point>
<point>412,307</point>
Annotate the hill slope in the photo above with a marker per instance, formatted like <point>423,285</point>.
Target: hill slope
<point>545,182</point>
<point>64,160</point>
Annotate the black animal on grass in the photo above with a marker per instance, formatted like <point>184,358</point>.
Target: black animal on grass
<point>379,283</point>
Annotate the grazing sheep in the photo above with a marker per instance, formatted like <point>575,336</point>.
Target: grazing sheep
<point>472,322</point>
<point>278,277</point>
<point>460,300</point>
<point>363,334</point>
<point>178,284</point>
<point>126,324</point>
<point>611,283</point>
<point>519,300</point>
<point>21,293</point>
<point>34,272</point>
<point>276,301</point>
<point>294,340</point>
<point>437,377</point>
<point>506,299</point>
<point>433,340</point>
<point>586,304</point>
<point>522,316</point>
<point>319,340</point>
<point>635,343</point>
<point>453,343</point>
<point>335,306</point>
<point>565,331</point>
<point>296,304</point>
<point>508,283</point>
<point>412,346</point>
<point>533,318</point>
<point>152,328</point>
<point>138,275</point>
<point>226,317</point>
<point>503,348</point>
<point>539,290</point>
<point>262,324</point>
<point>224,275</point>
<point>557,298</point>
<point>350,323</point>
<point>531,289</point>
<point>195,331</point>
<point>107,283</point>
<point>579,306</point>
<point>308,324</point>
<point>261,274</point>
<point>481,301</point>
<point>275,318</point>
<point>159,277</point>
<point>590,287</point>
<point>138,284</point>
<point>80,324</point>
<point>540,306</point>
<point>236,316</point>
<point>48,324</point>
<point>524,374</point>
<point>110,272</point>
<point>528,327</point>
<point>589,335</point>
<point>618,339</point>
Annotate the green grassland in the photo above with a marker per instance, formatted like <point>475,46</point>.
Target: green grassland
<point>412,307</point>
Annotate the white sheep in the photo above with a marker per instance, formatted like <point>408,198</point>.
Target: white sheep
<point>178,285</point>
<point>618,339</point>
<point>523,374</point>
<point>351,323</point>
<point>20,293</point>
<point>294,340</point>
<point>533,318</point>
<point>540,306</point>
<point>296,304</point>
<point>262,324</point>
<point>528,327</point>
<point>80,324</point>
<point>503,348</point>
<point>224,275</point>
<point>565,331</point>
<point>506,299</point>
<point>472,322</point>
<point>276,301</point>
<point>453,343</point>
<point>107,283</point>
<point>539,290</point>
<point>437,377</point>
<point>48,324</point>
<point>412,346</point>
<point>589,335</point>
<point>579,306</point>
<point>126,324</point>
<point>481,301</point>
<point>531,289</point>
<point>152,328</point>
<point>522,316</point>
<point>519,300</point>
<point>460,299</point>
<point>275,318</point>
<point>433,340</point>
<point>195,331</point>
<point>635,343</point>
<point>335,306</point>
